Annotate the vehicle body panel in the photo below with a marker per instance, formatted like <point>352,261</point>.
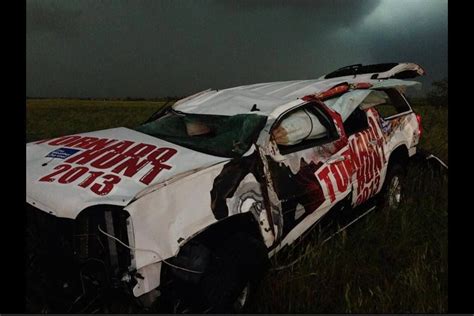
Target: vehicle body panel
<point>132,162</point>
<point>174,193</point>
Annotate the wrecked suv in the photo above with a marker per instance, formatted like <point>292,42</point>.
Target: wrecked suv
<point>187,208</point>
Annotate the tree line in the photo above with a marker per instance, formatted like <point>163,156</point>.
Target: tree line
<point>438,95</point>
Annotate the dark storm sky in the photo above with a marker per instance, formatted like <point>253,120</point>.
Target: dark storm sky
<point>147,48</point>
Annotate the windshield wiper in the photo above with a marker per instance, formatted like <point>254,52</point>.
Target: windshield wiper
<point>158,113</point>
<point>179,113</point>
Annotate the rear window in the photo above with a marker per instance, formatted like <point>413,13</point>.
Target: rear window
<point>218,135</point>
<point>393,103</point>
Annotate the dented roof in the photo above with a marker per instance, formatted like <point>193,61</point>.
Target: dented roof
<point>268,97</point>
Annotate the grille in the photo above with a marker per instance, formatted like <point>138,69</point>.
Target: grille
<point>65,256</point>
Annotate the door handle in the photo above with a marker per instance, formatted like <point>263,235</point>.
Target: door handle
<point>336,159</point>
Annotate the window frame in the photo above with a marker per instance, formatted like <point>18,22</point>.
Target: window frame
<point>319,111</point>
<point>367,126</point>
<point>402,98</point>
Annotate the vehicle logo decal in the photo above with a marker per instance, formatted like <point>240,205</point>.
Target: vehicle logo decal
<point>62,153</point>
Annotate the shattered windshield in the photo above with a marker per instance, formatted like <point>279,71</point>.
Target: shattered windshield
<point>218,135</point>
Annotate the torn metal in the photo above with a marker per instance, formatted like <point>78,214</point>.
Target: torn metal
<point>291,158</point>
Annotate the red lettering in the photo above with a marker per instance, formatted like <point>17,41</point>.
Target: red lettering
<point>361,147</point>
<point>83,141</point>
<point>89,155</point>
<point>151,175</point>
<point>42,141</point>
<point>85,157</point>
<point>365,194</point>
<point>323,175</point>
<point>140,150</point>
<point>72,175</point>
<point>108,160</point>
<point>120,147</point>
<point>368,160</point>
<point>93,175</point>
<point>157,158</point>
<point>360,179</point>
<point>383,153</point>
<point>371,189</point>
<point>374,127</point>
<point>161,154</point>
<point>340,176</point>
<point>99,144</point>
<point>60,169</point>
<point>355,154</point>
<point>377,183</point>
<point>371,134</point>
<point>131,166</point>
<point>107,185</point>
<point>348,163</point>
<point>63,140</point>
<point>377,159</point>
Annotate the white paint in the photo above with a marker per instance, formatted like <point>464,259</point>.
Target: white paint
<point>299,211</point>
<point>248,195</point>
<point>151,279</point>
<point>265,229</point>
<point>68,200</point>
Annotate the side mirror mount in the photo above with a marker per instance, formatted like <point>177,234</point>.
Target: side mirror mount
<point>278,157</point>
<point>271,149</point>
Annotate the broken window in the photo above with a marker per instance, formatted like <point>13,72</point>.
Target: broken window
<point>383,95</point>
<point>348,102</point>
<point>393,103</point>
<point>218,135</point>
<point>356,122</point>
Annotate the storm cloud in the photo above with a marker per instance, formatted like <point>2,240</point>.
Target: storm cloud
<point>147,48</point>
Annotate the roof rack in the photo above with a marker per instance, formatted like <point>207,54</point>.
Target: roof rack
<point>358,69</point>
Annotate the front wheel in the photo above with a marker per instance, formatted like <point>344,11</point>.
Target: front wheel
<point>234,268</point>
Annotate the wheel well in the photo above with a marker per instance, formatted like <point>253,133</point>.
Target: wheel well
<point>240,223</point>
<point>194,254</point>
<point>399,155</point>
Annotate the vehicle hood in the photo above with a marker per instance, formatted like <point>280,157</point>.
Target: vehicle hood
<point>67,174</point>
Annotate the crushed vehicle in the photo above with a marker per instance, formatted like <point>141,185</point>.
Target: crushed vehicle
<point>189,206</point>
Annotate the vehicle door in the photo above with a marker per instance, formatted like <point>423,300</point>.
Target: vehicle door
<point>312,175</point>
<point>367,147</point>
<point>397,123</point>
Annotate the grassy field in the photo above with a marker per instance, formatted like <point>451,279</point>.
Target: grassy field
<point>46,118</point>
<point>390,261</point>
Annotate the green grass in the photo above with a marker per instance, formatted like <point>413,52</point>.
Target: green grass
<point>390,261</point>
<point>435,130</point>
<point>46,118</point>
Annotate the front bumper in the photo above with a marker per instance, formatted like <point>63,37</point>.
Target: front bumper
<point>69,262</point>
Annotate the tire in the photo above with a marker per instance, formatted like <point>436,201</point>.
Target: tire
<point>392,193</point>
<point>234,269</point>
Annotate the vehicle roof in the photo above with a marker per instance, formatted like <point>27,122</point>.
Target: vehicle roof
<point>266,96</point>
<point>269,97</point>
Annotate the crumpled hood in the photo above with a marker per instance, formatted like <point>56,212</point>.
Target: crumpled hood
<point>67,174</point>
